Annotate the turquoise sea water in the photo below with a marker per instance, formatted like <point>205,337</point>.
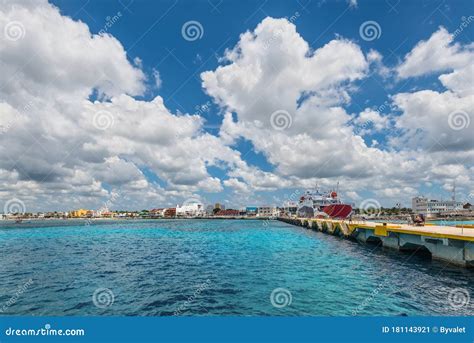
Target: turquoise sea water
<point>452,222</point>
<point>214,267</point>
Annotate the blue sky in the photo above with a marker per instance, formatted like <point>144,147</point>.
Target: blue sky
<point>150,34</point>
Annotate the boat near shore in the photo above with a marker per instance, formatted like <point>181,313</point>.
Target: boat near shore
<point>316,204</point>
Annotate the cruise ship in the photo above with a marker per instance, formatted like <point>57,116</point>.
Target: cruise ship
<point>316,204</point>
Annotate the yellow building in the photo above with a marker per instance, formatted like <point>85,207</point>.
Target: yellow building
<point>79,213</point>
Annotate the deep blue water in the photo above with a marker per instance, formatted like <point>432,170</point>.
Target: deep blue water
<point>214,267</point>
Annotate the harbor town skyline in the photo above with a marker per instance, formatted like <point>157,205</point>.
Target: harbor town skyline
<point>235,104</point>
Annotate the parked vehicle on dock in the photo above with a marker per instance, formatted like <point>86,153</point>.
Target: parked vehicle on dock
<point>418,219</point>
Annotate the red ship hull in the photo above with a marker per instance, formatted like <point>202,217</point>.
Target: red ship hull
<point>338,210</point>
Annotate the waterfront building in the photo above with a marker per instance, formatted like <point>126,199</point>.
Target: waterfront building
<point>170,212</point>
<point>157,213</point>
<point>108,214</point>
<point>267,211</point>
<point>228,213</point>
<point>190,210</point>
<point>251,211</point>
<point>434,208</point>
<point>290,208</point>
<point>219,206</point>
<point>144,214</point>
<point>80,213</point>
<point>419,204</point>
<point>123,214</point>
<point>56,214</point>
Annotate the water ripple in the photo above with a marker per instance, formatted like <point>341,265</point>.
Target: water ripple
<point>186,267</point>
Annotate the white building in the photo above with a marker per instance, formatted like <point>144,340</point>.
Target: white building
<point>290,208</point>
<point>158,212</point>
<point>190,210</point>
<point>266,211</point>
<point>419,204</point>
<point>432,208</point>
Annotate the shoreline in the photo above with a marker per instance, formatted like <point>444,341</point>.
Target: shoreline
<point>468,218</point>
<point>432,221</point>
<point>130,219</point>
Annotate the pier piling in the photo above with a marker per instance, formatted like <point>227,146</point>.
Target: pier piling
<point>448,243</point>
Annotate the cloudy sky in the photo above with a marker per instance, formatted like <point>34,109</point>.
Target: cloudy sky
<point>143,104</point>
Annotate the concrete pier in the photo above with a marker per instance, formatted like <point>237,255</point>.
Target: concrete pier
<point>449,243</point>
